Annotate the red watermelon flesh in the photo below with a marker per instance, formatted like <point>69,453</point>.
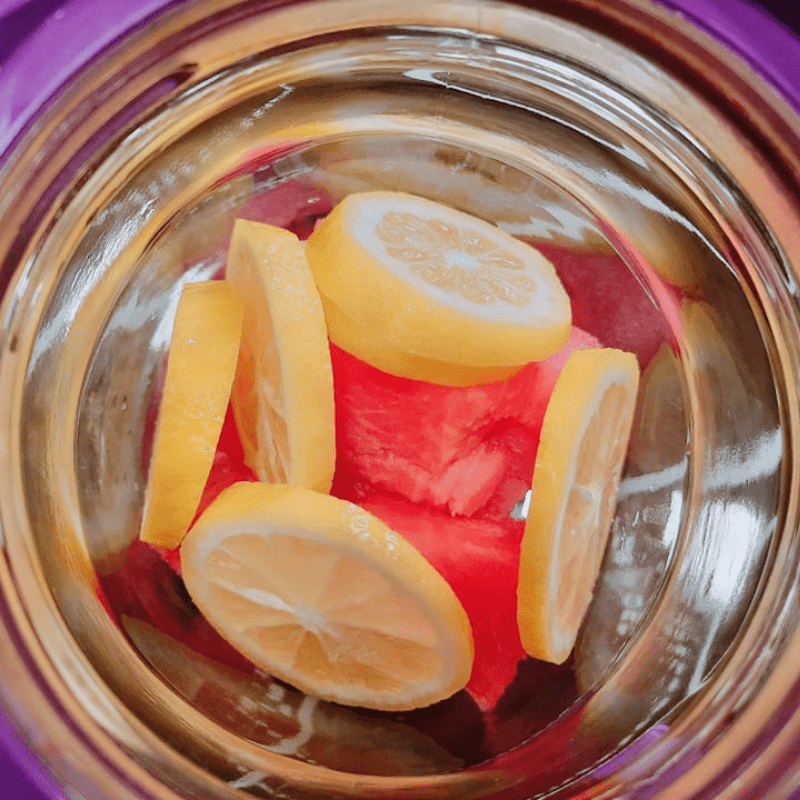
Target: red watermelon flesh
<point>480,561</point>
<point>609,302</point>
<point>145,587</point>
<point>228,466</point>
<point>459,458</point>
<point>293,204</point>
<point>453,448</point>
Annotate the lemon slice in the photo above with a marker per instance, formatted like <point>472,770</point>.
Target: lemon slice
<point>365,345</point>
<point>320,593</point>
<point>438,283</point>
<point>283,392</point>
<point>202,361</point>
<point>578,467</point>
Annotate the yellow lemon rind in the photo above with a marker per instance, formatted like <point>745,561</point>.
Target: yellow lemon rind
<point>267,264</point>
<point>201,364</point>
<point>366,346</point>
<point>413,320</point>
<point>264,509</point>
<point>583,382</point>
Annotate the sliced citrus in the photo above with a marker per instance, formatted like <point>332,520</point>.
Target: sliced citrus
<point>438,283</point>
<point>322,594</point>
<point>575,481</point>
<point>369,348</point>
<point>520,204</point>
<point>202,361</point>
<point>283,392</point>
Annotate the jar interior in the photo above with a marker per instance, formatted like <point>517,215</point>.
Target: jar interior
<point>651,241</point>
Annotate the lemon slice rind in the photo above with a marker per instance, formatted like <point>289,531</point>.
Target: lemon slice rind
<point>578,468</point>
<point>283,391</point>
<point>202,360</point>
<point>368,347</point>
<point>438,283</point>
<point>321,594</point>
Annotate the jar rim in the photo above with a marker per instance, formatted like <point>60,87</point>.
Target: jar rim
<point>79,30</point>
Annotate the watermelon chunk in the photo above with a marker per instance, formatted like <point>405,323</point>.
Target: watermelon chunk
<point>289,202</point>
<point>295,205</point>
<point>464,450</point>
<point>145,587</point>
<point>610,302</point>
<point>480,561</point>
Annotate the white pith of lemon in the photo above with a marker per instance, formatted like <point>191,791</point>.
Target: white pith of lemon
<point>321,594</point>
<point>578,468</point>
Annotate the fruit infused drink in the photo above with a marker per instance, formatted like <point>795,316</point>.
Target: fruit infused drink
<point>404,507</point>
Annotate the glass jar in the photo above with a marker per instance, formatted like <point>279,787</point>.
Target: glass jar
<point>621,139</point>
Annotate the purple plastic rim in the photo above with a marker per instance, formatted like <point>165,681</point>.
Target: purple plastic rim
<point>72,33</point>
<point>79,29</point>
<point>7,6</point>
<point>757,37</point>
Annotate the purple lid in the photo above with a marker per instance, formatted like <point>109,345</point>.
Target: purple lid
<point>70,35</point>
<point>72,32</point>
<point>7,6</point>
<point>759,38</point>
<point>77,29</point>
<point>22,776</point>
